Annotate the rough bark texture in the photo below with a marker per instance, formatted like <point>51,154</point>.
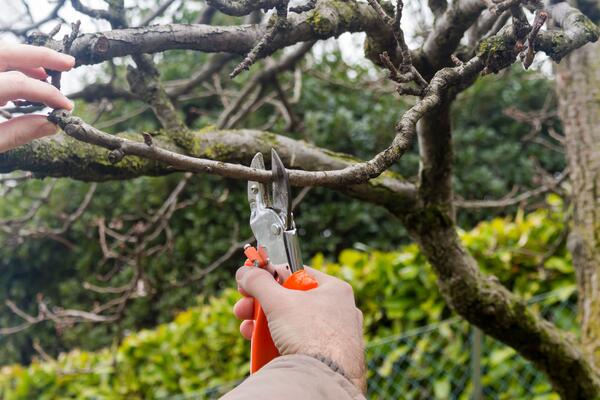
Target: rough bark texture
<point>578,79</point>
<point>328,19</point>
<point>482,300</point>
<point>63,156</point>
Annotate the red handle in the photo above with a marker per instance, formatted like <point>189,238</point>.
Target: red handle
<point>262,348</point>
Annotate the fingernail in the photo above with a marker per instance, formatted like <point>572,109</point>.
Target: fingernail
<point>70,58</point>
<point>240,273</point>
<point>71,105</point>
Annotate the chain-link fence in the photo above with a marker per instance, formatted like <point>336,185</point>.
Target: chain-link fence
<point>452,360</point>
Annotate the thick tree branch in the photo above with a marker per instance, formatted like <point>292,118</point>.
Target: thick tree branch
<point>481,300</point>
<point>436,156</point>
<point>144,81</point>
<point>577,30</point>
<point>328,19</point>
<point>61,156</point>
<point>447,33</point>
<point>484,302</point>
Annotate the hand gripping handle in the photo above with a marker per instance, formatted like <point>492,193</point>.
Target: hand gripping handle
<point>262,348</point>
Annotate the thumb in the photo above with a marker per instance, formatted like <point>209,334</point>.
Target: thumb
<point>261,285</point>
<point>20,130</point>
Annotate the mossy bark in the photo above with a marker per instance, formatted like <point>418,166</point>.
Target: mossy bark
<point>578,84</point>
<point>485,303</point>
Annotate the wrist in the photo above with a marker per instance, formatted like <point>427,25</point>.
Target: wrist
<point>358,381</point>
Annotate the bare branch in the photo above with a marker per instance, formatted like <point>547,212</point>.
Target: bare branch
<point>157,13</point>
<point>114,15</point>
<point>447,32</point>
<point>278,22</point>
<point>355,174</point>
<point>511,199</point>
<point>241,7</point>
<point>51,16</point>
<point>97,47</point>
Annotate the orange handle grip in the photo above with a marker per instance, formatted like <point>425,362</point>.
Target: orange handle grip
<point>262,347</point>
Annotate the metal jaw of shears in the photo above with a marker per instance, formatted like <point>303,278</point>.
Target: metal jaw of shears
<point>272,222</point>
<point>277,250</point>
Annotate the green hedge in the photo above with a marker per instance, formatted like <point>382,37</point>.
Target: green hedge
<point>202,348</point>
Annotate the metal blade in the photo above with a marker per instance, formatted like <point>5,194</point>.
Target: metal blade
<point>282,200</point>
<point>257,192</point>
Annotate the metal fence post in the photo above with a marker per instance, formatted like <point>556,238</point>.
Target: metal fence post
<point>476,345</point>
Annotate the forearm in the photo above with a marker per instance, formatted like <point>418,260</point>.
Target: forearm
<point>296,377</point>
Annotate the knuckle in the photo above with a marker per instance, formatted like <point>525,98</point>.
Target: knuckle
<point>252,277</point>
<point>346,288</point>
<point>16,76</point>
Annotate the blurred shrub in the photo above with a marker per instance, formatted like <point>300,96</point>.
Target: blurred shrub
<point>396,291</point>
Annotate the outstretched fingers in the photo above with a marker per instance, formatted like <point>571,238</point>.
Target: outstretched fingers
<point>18,56</point>
<point>17,86</point>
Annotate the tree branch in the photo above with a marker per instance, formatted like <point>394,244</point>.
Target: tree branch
<point>447,33</point>
<point>114,15</point>
<point>241,7</point>
<point>353,174</point>
<point>61,156</point>
<point>577,30</point>
<point>484,302</point>
<point>51,15</point>
<point>144,82</point>
<point>328,19</point>
<point>157,13</point>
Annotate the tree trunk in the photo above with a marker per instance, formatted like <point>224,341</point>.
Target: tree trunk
<point>578,83</point>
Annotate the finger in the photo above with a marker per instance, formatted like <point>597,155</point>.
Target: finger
<point>26,56</point>
<point>260,284</point>
<point>16,85</point>
<point>321,277</point>
<point>244,308</point>
<point>360,318</point>
<point>20,130</point>
<point>246,328</point>
<point>242,291</point>
<point>35,73</point>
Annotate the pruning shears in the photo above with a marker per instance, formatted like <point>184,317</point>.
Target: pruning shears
<point>277,249</point>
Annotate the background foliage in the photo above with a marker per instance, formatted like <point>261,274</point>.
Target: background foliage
<point>396,290</point>
<point>335,112</point>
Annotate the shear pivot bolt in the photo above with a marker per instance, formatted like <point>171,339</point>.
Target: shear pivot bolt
<point>275,229</point>
<point>254,189</point>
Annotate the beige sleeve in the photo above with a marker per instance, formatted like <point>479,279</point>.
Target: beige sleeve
<point>295,377</point>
